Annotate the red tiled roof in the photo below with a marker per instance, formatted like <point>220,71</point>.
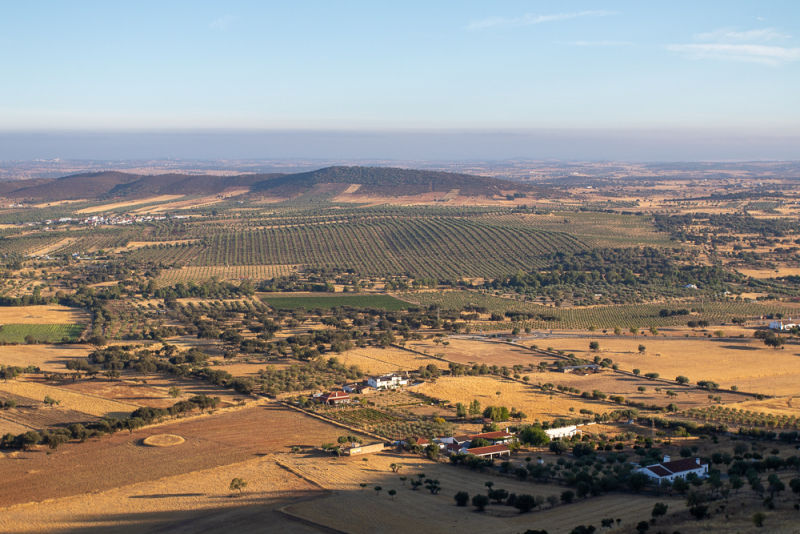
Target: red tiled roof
<point>335,395</point>
<point>491,449</point>
<point>659,471</point>
<point>680,466</point>
<point>462,438</point>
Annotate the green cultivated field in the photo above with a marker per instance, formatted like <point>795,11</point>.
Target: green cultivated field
<point>326,302</point>
<point>48,333</point>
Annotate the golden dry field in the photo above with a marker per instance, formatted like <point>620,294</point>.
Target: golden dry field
<point>380,361</point>
<point>79,402</point>
<point>748,364</point>
<point>465,351</point>
<point>128,203</point>
<point>535,403</point>
<point>49,358</point>
<point>50,314</point>
<point>352,510</point>
<point>182,504</point>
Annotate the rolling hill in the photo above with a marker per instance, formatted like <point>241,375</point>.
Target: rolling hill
<point>373,180</point>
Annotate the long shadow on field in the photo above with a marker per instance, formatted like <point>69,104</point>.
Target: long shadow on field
<point>739,347</point>
<point>251,514</point>
<point>166,495</point>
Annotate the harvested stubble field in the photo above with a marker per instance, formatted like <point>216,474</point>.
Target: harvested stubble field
<point>49,358</point>
<point>778,406</point>
<point>154,394</point>
<point>180,504</point>
<point>535,403</point>
<point>116,206</point>
<point>748,364</point>
<point>49,314</point>
<point>216,440</point>
<point>355,511</point>
<point>380,361</point>
<point>465,351</point>
<point>79,402</point>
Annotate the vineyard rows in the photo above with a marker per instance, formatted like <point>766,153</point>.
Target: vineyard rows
<point>199,274</point>
<point>430,247</point>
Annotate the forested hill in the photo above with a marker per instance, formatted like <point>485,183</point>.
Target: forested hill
<point>393,181</point>
<point>373,180</point>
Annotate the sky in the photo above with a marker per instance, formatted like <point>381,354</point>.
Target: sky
<point>568,79</point>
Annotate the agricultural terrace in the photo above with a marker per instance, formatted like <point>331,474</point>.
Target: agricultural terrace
<point>642,315</point>
<point>313,301</point>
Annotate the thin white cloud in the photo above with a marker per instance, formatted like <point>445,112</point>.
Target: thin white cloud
<point>222,23</point>
<point>752,53</point>
<point>530,19</point>
<point>600,43</point>
<point>732,35</point>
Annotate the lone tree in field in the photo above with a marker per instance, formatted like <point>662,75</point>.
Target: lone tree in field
<point>642,349</point>
<point>480,501</point>
<point>395,467</point>
<point>392,493</point>
<point>238,484</point>
<point>461,498</point>
<point>50,401</point>
<point>594,345</point>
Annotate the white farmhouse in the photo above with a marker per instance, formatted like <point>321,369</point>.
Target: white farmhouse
<point>563,432</point>
<point>670,470</point>
<point>782,325</point>
<point>387,381</point>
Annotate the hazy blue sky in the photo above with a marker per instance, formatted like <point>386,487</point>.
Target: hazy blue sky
<point>721,69</point>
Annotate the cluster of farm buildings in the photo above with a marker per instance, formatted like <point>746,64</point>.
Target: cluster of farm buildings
<point>499,441</point>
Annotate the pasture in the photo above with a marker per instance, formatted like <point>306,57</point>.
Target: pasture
<point>42,333</point>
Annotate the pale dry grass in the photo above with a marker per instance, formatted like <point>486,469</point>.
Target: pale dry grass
<point>381,361</point>
<point>80,402</point>
<point>535,403</point>
<point>181,504</point>
<point>468,352</point>
<point>128,203</point>
<point>749,364</point>
<point>163,440</point>
<point>48,358</point>
<point>50,314</point>
<point>777,406</point>
<point>355,511</point>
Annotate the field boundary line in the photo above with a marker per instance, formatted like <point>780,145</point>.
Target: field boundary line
<point>301,475</point>
<point>334,422</point>
<point>286,513</point>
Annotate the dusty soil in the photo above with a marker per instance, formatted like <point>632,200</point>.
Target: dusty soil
<point>49,358</point>
<point>748,364</point>
<point>120,460</point>
<point>188,503</point>
<point>352,510</point>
